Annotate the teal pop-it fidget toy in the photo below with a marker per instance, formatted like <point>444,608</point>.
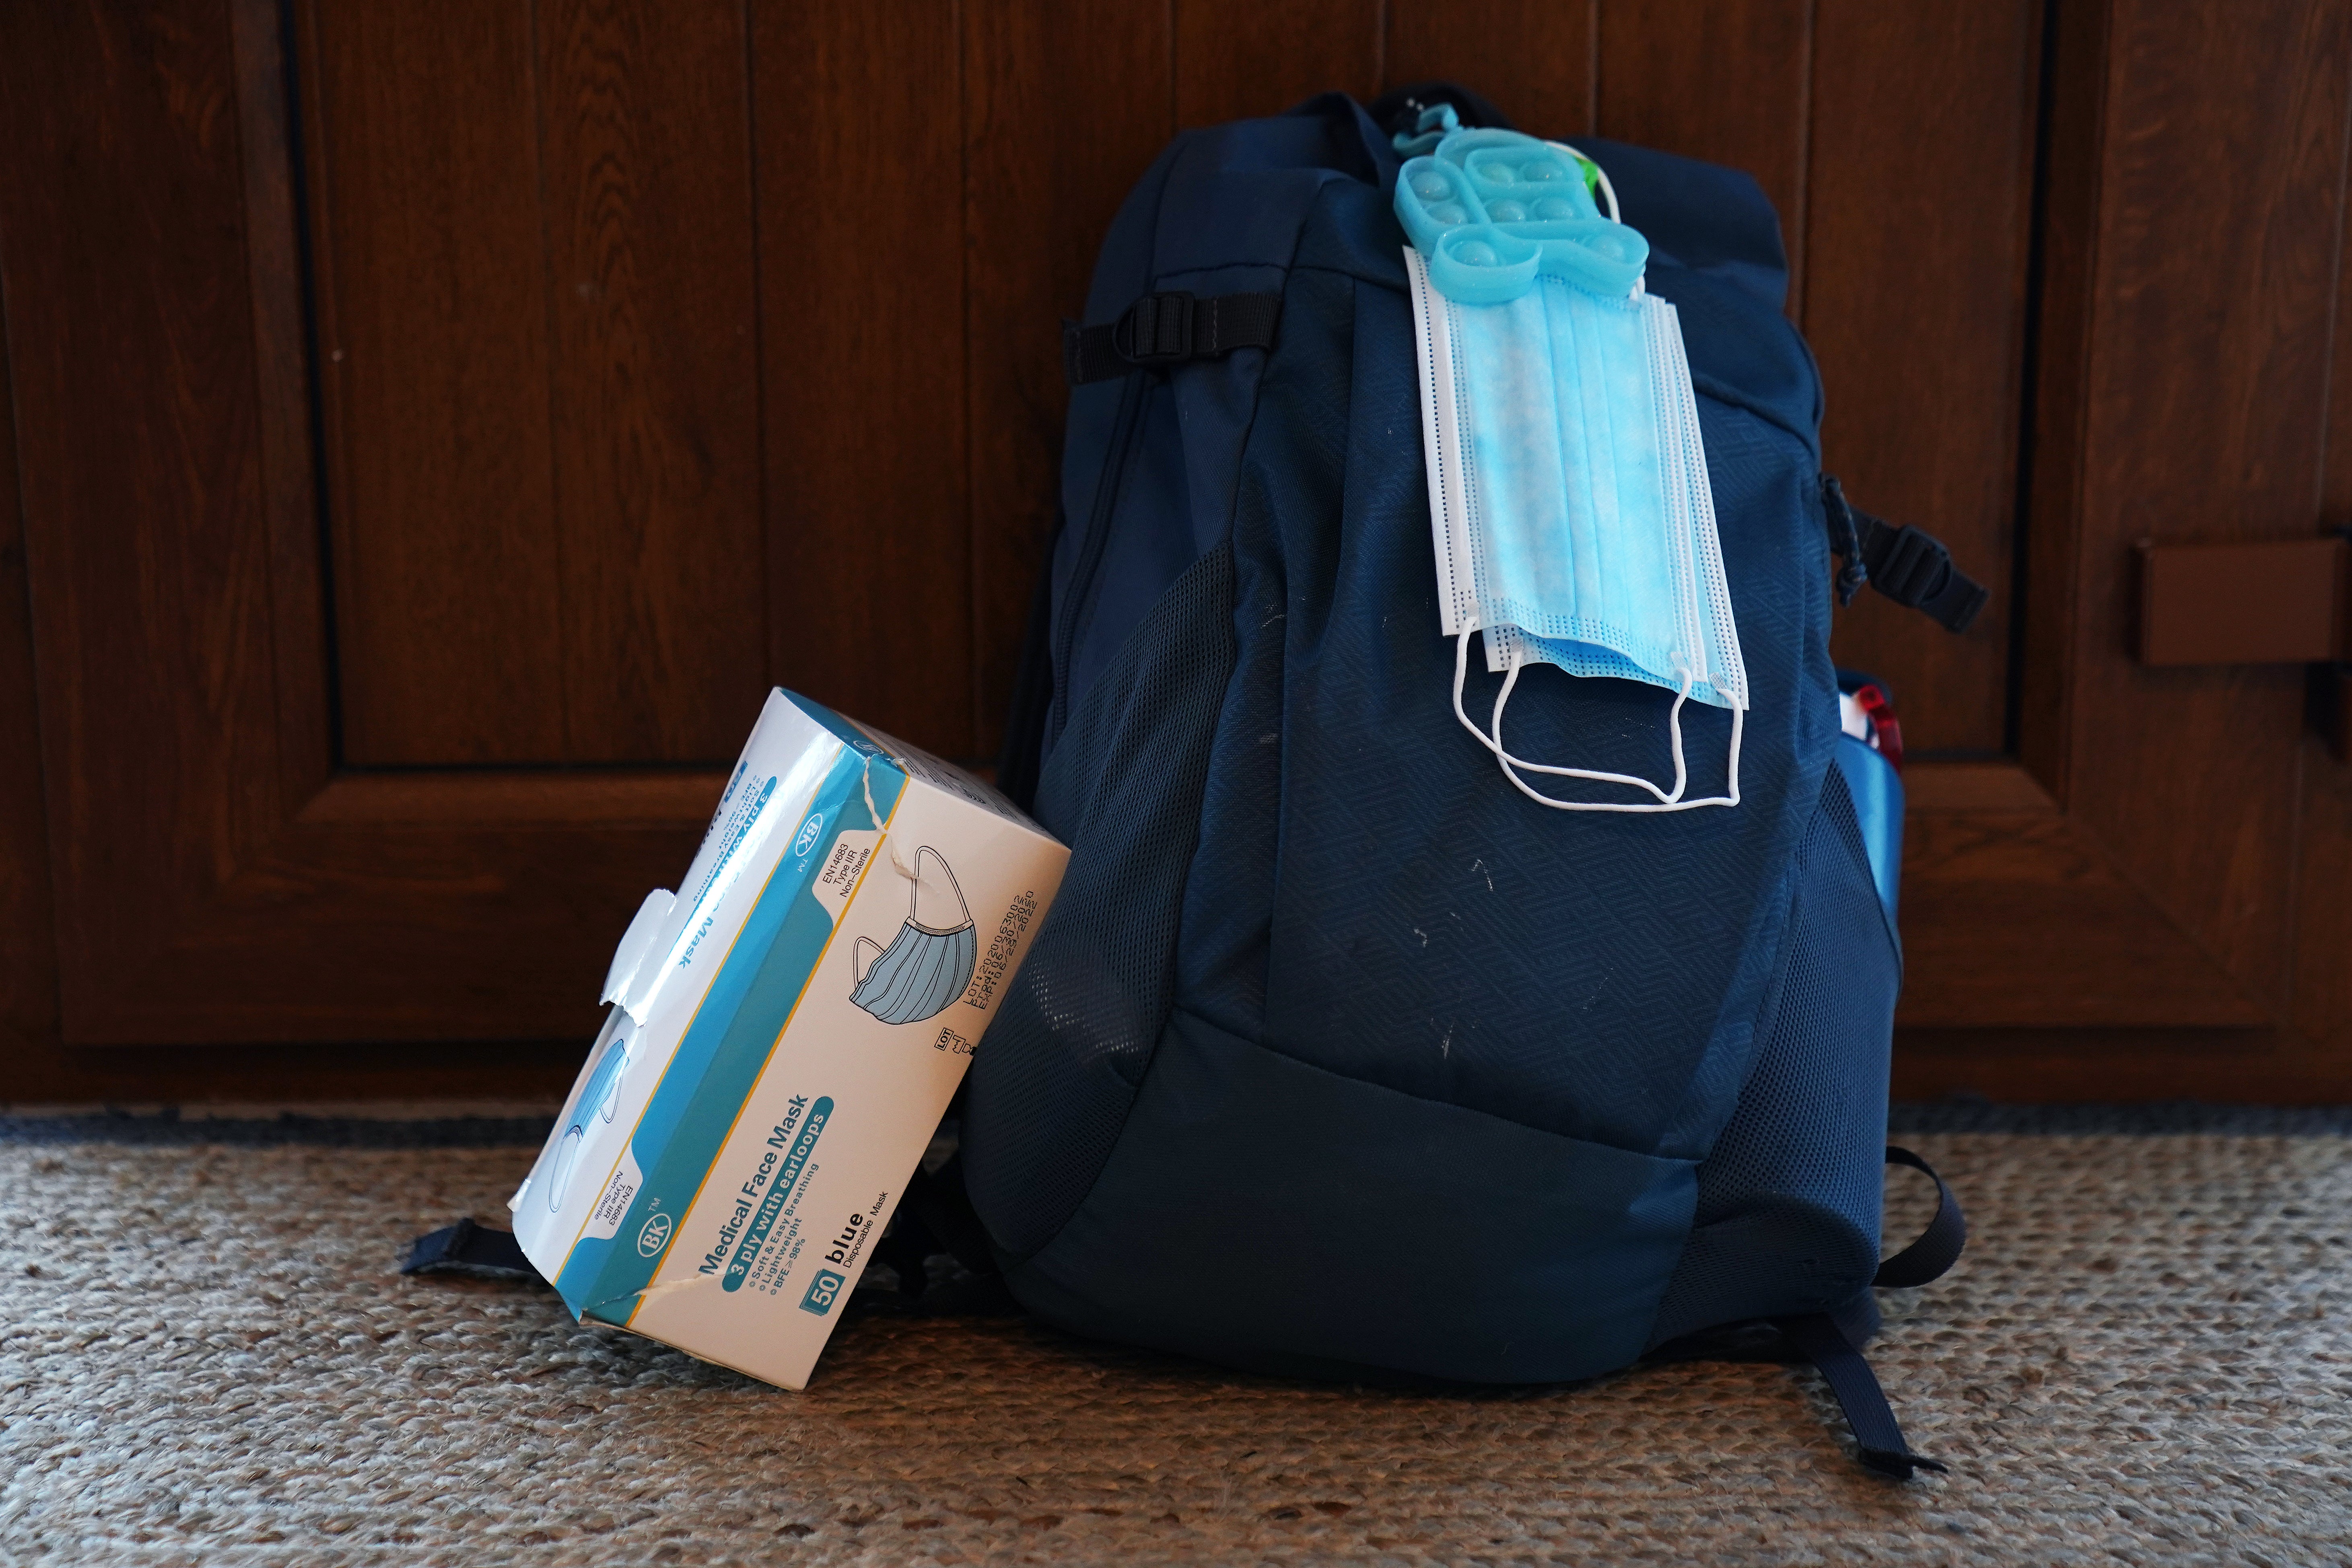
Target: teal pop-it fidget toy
<point>1490,211</point>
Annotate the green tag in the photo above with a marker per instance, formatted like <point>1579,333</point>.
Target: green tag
<point>1591,173</point>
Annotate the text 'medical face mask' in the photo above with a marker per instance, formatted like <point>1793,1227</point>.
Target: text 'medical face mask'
<point>1569,498</point>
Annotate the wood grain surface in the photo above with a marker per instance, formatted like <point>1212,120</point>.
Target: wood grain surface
<point>1918,211</point>
<point>2015,915</point>
<point>302,641</point>
<point>193,902</point>
<point>131,358</point>
<point>2204,415</point>
<point>1536,60</point>
<point>28,958</point>
<point>863,361</point>
<point>435,364</point>
<point>435,427</point>
<point>1035,210</point>
<point>2322,938</point>
<point>1236,58</point>
<point>645,133</point>
<point>1729,81</point>
<point>2054,419</point>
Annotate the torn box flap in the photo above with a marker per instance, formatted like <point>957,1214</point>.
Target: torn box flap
<point>638,944</point>
<point>782,763</point>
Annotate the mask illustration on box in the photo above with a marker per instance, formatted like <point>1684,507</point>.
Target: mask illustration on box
<point>929,962</point>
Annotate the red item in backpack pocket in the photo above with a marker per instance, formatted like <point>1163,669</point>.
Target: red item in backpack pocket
<point>1872,700</point>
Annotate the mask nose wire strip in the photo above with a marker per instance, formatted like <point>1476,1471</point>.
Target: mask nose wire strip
<point>1510,764</point>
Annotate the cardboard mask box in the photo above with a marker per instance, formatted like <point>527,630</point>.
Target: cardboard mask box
<point>786,1033</point>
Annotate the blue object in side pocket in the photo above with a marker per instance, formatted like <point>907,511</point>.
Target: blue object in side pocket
<point>1877,791</point>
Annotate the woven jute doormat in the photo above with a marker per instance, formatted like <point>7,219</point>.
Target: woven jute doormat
<point>207,1357</point>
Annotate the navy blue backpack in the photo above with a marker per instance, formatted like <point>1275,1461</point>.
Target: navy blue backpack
<point>1337,1056</point>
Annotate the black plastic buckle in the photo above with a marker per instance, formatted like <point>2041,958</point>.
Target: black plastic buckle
<point>1157,330</point>
<point>1915,569</point>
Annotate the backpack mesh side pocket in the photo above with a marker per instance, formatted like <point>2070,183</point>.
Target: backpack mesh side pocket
<point>1786,1218</point>
<point>1051,1086</point>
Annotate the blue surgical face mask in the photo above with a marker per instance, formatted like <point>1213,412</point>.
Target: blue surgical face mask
<point>1569,499</point>
<point>928,963</point>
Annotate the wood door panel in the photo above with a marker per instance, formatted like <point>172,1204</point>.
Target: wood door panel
<point>665,800</point>
<point>2241,1066</point>
<point>2059,374</point>
<point>142,351</point>
<point>2014,917</point>
<point>2204,413</point>
<point>645,126</point>
<point>28,958</point>
<point>862,370</point>
<point>534,248</point>
<point>747,314</point>
<point>1536,60</point>
<point>1921,194</point>
<point>433,372</point>
<point>2323,940</point>
<point>193,901</point>
<point>1729,81</point>
<point>1036,211</point>
<point>301,649</point>
<point>2181,393</point>
<point>369,929</point>
<point>1238,60</point>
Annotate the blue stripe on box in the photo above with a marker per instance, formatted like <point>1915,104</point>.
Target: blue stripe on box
<point>701,1097</point>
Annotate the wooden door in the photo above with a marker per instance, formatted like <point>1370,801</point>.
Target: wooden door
<point>2147,891</point>
<point>436,423</point>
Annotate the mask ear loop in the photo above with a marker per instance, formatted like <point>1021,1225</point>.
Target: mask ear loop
<point>1494,742</point>
<point>1739,719</point>
<point>1673,732</point>
<point>1510,764</point>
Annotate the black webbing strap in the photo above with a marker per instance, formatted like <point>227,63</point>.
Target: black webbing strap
<point>939,1200</point>
<point>1938,1246</point>
<point>1168,329</point>
<point>466,1248</point>
<point>1817,1337</point>
<point>1913,569</point>
<point>1820,1338</point>
<point>935,1217</point>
